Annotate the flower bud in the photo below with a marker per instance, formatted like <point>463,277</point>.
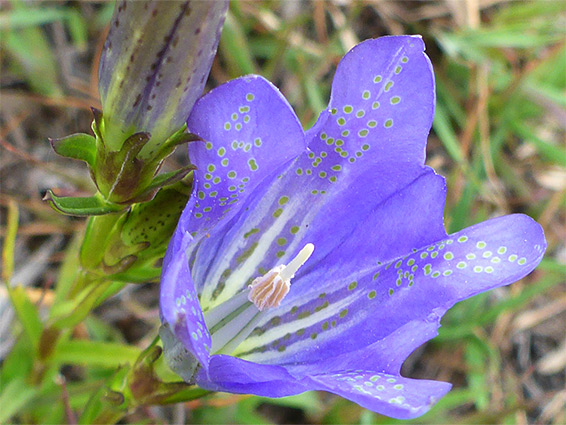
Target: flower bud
<point>154,66</point>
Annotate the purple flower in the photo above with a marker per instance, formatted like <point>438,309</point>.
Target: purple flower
<point>383,270</point>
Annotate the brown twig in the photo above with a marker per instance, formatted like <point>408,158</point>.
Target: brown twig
<point>69,414</point>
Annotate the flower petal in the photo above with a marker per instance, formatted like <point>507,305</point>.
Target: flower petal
<point>390,395</point>
<point>382,104</point>
<point>249,131</point>
<point>386,355</point>
<point>178,300</point>
<point>231,374</point>
<point>409,218</point>
<point>368,306</point>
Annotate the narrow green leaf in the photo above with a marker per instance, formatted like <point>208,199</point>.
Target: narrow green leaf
<point>234,47</point>
<point>10,241</point>
<point>165,179</point>
<point>27,313</point>
<point>517,302</point>
<point>33,57</point>
<point>314,95</point>
<point>77,29</point>
<point>14,396</point>
<point>18,362</point>
<point>95,353</point>
<point>556,154</point>
<point>68,271</point>
<point>23,17</point>
<point>476,361</point>
<point>445,133</point>
<point>504,38</point>
<point>554,94</point>
<point>72,312</point>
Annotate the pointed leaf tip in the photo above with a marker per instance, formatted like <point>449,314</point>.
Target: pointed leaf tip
<point>79,146</point>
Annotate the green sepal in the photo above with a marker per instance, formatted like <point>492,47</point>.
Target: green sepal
<point>163,179</point>
<point>119,175</point>
<point>79,146</point>
<point>178,138</point>
<point>139,275</point>
<point>81,206</point>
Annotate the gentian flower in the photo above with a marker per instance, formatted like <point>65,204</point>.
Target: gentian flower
<point>319,260</point>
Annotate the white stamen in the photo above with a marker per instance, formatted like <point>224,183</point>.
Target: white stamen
<point>231,322</point>
<point>269,290</point>
<point>304,254</point>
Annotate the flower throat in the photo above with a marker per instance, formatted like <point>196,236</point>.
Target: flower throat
<point>231,322</point>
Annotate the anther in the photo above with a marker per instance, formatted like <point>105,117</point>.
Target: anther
<point>269,290</point>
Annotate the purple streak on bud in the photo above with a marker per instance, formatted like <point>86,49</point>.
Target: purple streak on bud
<point>154,66</point>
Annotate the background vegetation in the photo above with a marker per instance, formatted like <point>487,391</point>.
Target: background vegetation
<point>498,137</point>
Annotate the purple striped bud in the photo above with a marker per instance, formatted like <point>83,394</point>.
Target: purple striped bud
<point>154,66</point>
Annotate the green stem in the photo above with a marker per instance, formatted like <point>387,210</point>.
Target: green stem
<point>96,236</point>
<point>186,394</point>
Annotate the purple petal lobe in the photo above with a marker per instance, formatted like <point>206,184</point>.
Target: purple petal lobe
<point>372,304</point>
<point>231,374</point>
<point>242,147</point>
<point>178,301</point>
<point>390,395</point>
<point>386,355</point>
<point>382,103</point>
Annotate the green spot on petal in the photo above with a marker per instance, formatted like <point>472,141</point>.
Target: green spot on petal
<point>252,164</point>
